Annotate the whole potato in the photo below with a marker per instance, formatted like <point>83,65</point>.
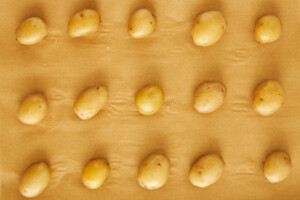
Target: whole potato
<point>207,170</point>
<point>209,97</point>
<point>35,180</point>
<point>33,109</point>
<point>208,28</point>
<point>277,166</point>
<point>84,23</point>
<point>95,173</point>
<point>141,24</point>
<point>31,31</point>
<point>268,98</point>
<point>90,102</point>
<point>149,100</point>
<point>268,29</point>
<point>154,171</point>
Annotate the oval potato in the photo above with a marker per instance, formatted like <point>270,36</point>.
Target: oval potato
<point>209,97</point>
<point>141,24</point>
<point>33,109</point>
<point>207,170</point>
<point>208,28</point>
<point>154,171</point>
<point>90,102</point>
<point>35,180</point>
<point>83,23</point>
<point>149,100</point>
<point>277,166</point>
<point>268,29</point>
<point>268,98</point>
<point>31,31</point>
<point>95,173</point>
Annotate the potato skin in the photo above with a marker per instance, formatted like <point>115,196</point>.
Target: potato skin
<point>209,97</point>
<point>154,171</point>
<point>268,29</point>
<point>31,31</point>
<point>277,166</point>
<point>33,109</point>
<point>95,173</point>
<point>208,28</point>
<point>90,102</point>
<point>268,98</point>
<point>83,23</point>
<point>149,100</point>
<point>141,24</point>
<point>207,170</point>
<point>35,180</point>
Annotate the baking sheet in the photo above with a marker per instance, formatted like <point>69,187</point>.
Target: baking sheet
<point>62,67</point>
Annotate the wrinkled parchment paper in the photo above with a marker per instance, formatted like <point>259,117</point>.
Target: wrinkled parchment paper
<point>61,67</point>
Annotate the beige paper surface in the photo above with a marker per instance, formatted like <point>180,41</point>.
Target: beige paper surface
<point>62,67</point>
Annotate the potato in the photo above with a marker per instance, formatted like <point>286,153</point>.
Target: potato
<point>31,31</point>
<point>208,28</point>
<point>154,171</point>
<point>207,170</point>
<point>141,24</point>
<point>33,109</point>
<point>209,97</point>
<point>95,173</point>
<point>35,180</point>
<point>277,166</point>
<point>90,102</point>
<point>149,100</point>
<point>268,98</point>
<point>84,23</point>
<point>267,29</point>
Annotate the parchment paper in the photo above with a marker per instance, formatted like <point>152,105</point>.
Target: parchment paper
<point>61,67</point>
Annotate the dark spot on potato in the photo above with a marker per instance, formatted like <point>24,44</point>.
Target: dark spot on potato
<point>261,99</point>
<point>158,164</point>
<point>81,15</point>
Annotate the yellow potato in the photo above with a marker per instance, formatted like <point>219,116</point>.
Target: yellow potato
<point>268,97</point>
<point>83,23</point>
<point>149,100</point>
<point>35,180</point>
<point>33,109</point>
<point>268,29</point>
<point>90,102</point>
<point>209,97</point>
<point>277,166</point>
<point>95,173</point>
<point>31,31</point>
<point>207,170</point>
<point>208,28</point>
<point>141,24</point>
<point>154,171</point>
